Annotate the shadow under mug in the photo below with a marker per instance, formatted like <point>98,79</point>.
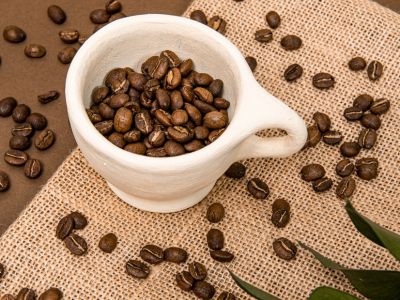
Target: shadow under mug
<point>171,184</point>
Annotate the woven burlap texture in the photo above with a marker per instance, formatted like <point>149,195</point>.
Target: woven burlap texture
<point>333,32</point>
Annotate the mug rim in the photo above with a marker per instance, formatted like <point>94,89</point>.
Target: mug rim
<point>81,123</point>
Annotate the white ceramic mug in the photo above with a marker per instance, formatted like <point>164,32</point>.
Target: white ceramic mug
<point>174,183</point>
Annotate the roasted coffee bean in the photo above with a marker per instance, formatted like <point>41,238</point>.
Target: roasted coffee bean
<point>133,105</point>
<point>45,139</point>
<point>263,36</point>
<point>322,184</point>
<point>218,24</point>
<point>280,218</point>
<point>173,59</point>
<point>7,106</point>
<point>313,136</point>
<point>214,120</point>
<point>323,81</point>
<point>37,120</point>
<point>202,79</point>
<point>252,62</point>
<point>99,16</point>
<point>172,79</point>
<point>93,117</point>
<point>380,106</point>
<point>132,136</point>
<point>176,100</point>
<point>157,138</point>
<point>64,227</point>
<point>194,145</point>
<point>357,64</point>
<point>123,120</point>
<point>137,269</point>
<point>344,168</point>
<point>173,148</point>
<point>197,270</point>
<point>15,157</point>
<point>106,111</point>
<point>175,255</point>
<point>14,34</point>
<point>51,294</point>
<point>215,239</point>
<point>293,72</point>
<point>143,122</point>
<point>163,98</point>
<point>80,220</point>
<point>152,254</point>
<point>332,137</point>
<point>116,81</point>
<point>150,66</point>
<point>180,134</point>
<point>284,248</point>
<point>258,188</point>
<point>179,117</point>
<point>374,70</point>
<point>33,168</point>
<point>76,244</point>
<point>221,103</point>
<point>113,6</point>
<point>187,93</point>
<point>137,148</point>
<point>371,121</point>
<point>322,120</point>
<point>163,117</point>
<point>184,280</point>
<point>221,255</point>
<point>199,16</point>
<point>137,80</point>
<point>18,142</point>
<point>7,297</point>
<point>48,97</point>
<point>20,113</point>
<point>117,139</point>
<point>226,296</point>
<point>273,19</point>
<point>56,14</point>
<point>104,127</point>
<point>186,67</point>
<point>156,152</point>
<point>346,187</point>
<point>350,149</point>
<point>35,51</point>
<point>280,204</point>
<point>201,132</point>
<point>237,170</point>
<point>216,87</point>
<point>69,36</point>
<point>367,138</point>
<point>108,242</point>
<point>203,290</point>
<point>215,134</point>
<point>4,182</point>
<point>66,55</point>
<point>193,113</point>
<point>363,102</point>
<point>367,168</point>
<point>353,113</point>
<point>291,42</point>
<point>312,172</point>
<point>117,16</point>
<point>26,294</point>
<point>24,129</point>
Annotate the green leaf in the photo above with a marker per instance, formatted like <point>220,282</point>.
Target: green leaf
<point>328,293</point>
<point>373,284</point>
<point>374,232</point>
<point>252,290</point>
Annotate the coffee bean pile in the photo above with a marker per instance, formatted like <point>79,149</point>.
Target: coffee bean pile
<point>166,110</point>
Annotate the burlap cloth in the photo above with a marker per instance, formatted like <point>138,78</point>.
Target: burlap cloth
<point>333,31</point>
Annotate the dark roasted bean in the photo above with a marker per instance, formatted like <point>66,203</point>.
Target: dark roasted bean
<point>18,142</point>
<point>353,113</point>
<point>123,120</point>
<point>226,296</point>
<point>280,218</point>
<point>293,72</point>
<point>116,81</point>
<point>69,36</point>
<point>367,168</point>
<point>322,184</point>
<point>363,102</point>
<point>48,97</point>
<point>291,42</point>
<point>137,269</point>
<point>357,64</point>
<point>180,134</point>
<point>203,290</point>
<point>113,6</point>
<point>14,34</point>
<point>215,239</point>
<point>64,227</point>
<point>143,122</point>
<point>215,212</point>
<point>312,172</point>
<point>371,121</point>
<point>344,168</point>
<point>194,145</point>
<point>199,16</point>
<point>218,24</point>
<point>216,87</point>
<point>173,148</point>
<point>152,254</point>
<point>214,120</point>
<point>99,16</point>
<point>323,81</point>
<point>258,188</point>
<point>367,138</point>
<point>273,19</point>
<point>66,55</point>
<point>20,113</point>
<point>35,51</point>
<point>80,220</point>
<point>56,14</point>
<point>313,136</point>
<point>374,70</point>
<point>7,106</point>
<point>117,139</point>
<point>186,67</point>
<point>175,255</point>
<point>380,106</point>
<point>284,249</point>
<point>105,127</point>
<point>332,137</point>
<point>24,129</point>
<point>37,120</point>
<point>184,280</point>
<point>252,62</point>
<point>350,149</point>
<point>263,36</point>
<point>237,170</point>
<point>4,181</point>
<point>51,294</point>
<point>215,134</point>
<point>197,270</point>
<point>26,294</point>
<point>346,187</point>
<point>221,255</point>
<point>33,168</point>
<point>45,139</point>
<point>76,244</point>
<point>15,157</point>
<point>137,148</point>
<point>322,120</point>
<point>108,242</point>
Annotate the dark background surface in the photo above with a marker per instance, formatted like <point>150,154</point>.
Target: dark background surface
<point>25,78</point>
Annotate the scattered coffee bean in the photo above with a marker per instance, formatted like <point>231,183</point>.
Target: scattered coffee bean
<point>291,42</point>
<point>51,294</point>
<point>203,290</point>
<point>197,270</point>
<point>280,204</point>
<point>312,172</point>
<point>137,269</point>
<point>69,36</point>
<point>322,184</point>
<point>66,55</point>
<point>218,24</point>
<point>108,242</point>
<point>175,255</point>
<point>353,113</point>
<point>24,129</point>
<point>20,113</point>
<point>15,157</point>
<point>293,72</point>
<point>323,81</point>
<point>332,137</point>
<point>367,168</point>
<point>258,188</point>
<point>76,244</point>
<point>64,227</point>
<point>371,121</point>
<point>18,142</point>
<point>14,34</point>
<point>313,136</point>
<point>221,255</point>
<point>7,106</point>
<point>363,102</point>
<point>80,220</point>
<point>26,294</point>
<point>357,64</point>
<point>99,16</point>
<point>4,182</point>
<point>113,6</point>
<point>367,138</point>
<point>263,36</point>
<point>322,120</point>
<point>215,212</point>
<point>33,168</point>
<point>56,14</point>
<point>344,168</point>
<point>35,51</point>
<point>199,16</point>
<point>7,297</point>
<point>374,70</point>
<point>215,239</point>
<point>284,248</point>
<point>237,170</point>
<point>48,97</point>
<point>226,296</point>
<point>45,139</point>
<point>280,218</point>
<point>273,19</point>
<point>252,62</point>
<point>37,120</point>
<point>346,187</point>
<point>350,149</point>
<point>152,254</point>
<point>380,106</point>
<point>184,280</point>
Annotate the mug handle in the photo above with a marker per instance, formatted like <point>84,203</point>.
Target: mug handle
<point>264,111</point>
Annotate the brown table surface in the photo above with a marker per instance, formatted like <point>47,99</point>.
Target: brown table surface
<point>25,78</point>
